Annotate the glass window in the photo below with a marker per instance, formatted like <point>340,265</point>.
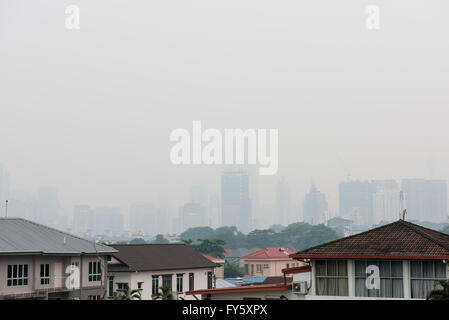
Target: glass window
<point>111,286</point>
<point>17,275</point>
<point>45,274</point>
<point>179,281</point>
<point>191,281</point>
<point>423,275</point>
<point>154,284</point>
<point>390,276</point>
<point>209,280</point>
<point>259,268</point>
<point>332,277</point>
<point>94,271</point>
<point>167,281</point>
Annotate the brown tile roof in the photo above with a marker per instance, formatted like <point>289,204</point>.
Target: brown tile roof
<point>397,240</point>
<point>154,257</point>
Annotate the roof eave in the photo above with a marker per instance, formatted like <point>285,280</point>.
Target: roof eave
<point>370,256</point>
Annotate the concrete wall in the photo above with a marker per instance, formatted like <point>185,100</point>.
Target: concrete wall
<point>133,278</point>
<point>58,275</point>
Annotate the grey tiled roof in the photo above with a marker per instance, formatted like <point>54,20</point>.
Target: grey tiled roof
<point>23,236</point>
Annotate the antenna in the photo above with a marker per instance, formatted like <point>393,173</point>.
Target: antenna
<point>6,209</point>
<point>403,209</point>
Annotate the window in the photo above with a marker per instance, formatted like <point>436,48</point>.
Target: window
<point>179,280</point>
<point>288,265</point>
<point>423,275</point>
<point>332,277</point>
<point>94,271</point>
<point>252,269</point>
<point>166,281</point>
<point>265,266</point>
<point>191,281</point>
<point>93,297</point>
<point>209,280</point>
<point>259,268</point>
<point>111,286</point>
<point>17,275</point>
<point>246,268</point>
<point>391,279</point>
<point>139,285</point>
<point>154,284</point>
<point>45,274</point>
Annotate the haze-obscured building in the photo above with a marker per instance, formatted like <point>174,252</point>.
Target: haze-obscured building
<point>235,202</point>
<point>314,206</point>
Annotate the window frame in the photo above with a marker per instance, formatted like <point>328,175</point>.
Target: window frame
<point>45,274</point>
<point>422,279</point>
<point>21,275</point>
<point>326,277</point>
<point>95,272</point>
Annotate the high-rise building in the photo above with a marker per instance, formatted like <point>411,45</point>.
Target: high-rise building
<point>49,208</point>
<point>426,200</point>
<point>283,203</point>
<point>235,202</point>
<point>356,199</point>
<point>315,206</point>
<point>198,194</point>
<point>83,220</point>
<point>108,220</point>
<point>386,205</point>
<point>192,215</point>
<point>149,219</point>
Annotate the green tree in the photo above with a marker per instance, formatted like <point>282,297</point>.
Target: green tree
<point>163,294</point>
<point>137,241</point>
<point>126,294</point>
<point>212,247</point>
<point>232,269</point>
<point>160,239</point>
<point>198,233</point>
<point>439,294</point>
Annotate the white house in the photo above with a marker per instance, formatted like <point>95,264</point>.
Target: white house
<point>151,266</point>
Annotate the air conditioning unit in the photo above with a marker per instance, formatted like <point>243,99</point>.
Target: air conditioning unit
<point>300,287</point>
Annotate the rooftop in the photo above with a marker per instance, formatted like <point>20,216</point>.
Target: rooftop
<point>149,257</point>
<point>397,240</point>
<point>270,253</point>
<point>20,236</point>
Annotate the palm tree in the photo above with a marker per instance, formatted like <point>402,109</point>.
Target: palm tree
<point>439,294</point>
<point>163,294</point>
<point>126,294</point>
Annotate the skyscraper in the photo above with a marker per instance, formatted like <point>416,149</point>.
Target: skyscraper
<point>192,215</point>
<point>315,206</point>
<point>356,199</point>
<point>426,200</point>
<point>235,202</point>
<point>108,220</point>
<point>83,220</point>
<point>386,205</point>
<point>283,203</point>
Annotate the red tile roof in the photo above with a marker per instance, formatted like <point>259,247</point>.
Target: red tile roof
<point>270,253</point>
<point>251,288</point>
<point>210,257</point>
<point>397,240</point>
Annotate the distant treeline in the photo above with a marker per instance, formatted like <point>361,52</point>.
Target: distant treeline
<point>296,236</point>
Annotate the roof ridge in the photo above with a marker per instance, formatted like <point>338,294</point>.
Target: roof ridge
<point>413,227</point>
<point>50,228</point>
<point>349,237</point>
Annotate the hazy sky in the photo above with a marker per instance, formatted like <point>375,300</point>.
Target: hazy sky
<point>90,111</point>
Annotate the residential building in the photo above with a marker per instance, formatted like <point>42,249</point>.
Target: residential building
<point>235,255</point>
<point>268,262</point>
<point>315,206</point>
<point>39,262</point>
<point>151,266</point>
<point>426,200</point>
<point>235,202</point>
<point>397,261</point>
<point>219,269</point>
